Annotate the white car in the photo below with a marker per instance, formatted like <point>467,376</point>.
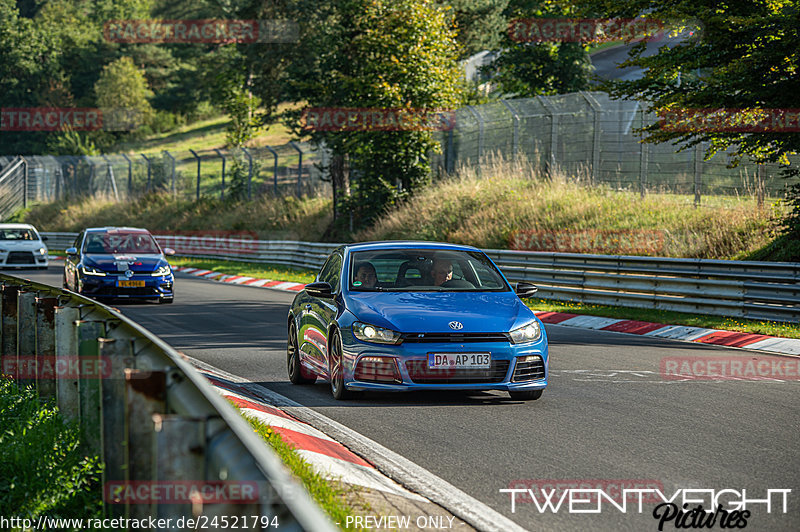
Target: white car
<point>21,247</point>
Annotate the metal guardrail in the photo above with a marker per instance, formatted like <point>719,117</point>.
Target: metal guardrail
<point>747,289</point>
<point>146,411</point>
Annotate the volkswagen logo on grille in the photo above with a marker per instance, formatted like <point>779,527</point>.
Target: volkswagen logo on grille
<point>128,273</point>
<point>456,325</point>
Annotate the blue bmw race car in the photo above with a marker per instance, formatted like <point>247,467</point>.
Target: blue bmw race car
<point>397,316</point>
<point>119,262</point>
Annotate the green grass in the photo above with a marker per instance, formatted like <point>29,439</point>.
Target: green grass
<point>259,270</point>
<point>668,317</point>
<point>206,134</point>
<point>329,495</point>
<point>42,471</point>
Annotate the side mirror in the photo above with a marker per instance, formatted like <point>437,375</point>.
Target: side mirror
<point>320,289</point>
<point>169,252</point>
<point>524,289</point>
<point>72,251</point>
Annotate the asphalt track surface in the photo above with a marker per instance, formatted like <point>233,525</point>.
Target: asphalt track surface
<point>606,415</point>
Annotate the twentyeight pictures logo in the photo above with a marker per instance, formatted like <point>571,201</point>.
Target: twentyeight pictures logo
<point>201,31</point>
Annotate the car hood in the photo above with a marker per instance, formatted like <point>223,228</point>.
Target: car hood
<point>119,262</point>
<point>433,311</point>
<point>22,245</point>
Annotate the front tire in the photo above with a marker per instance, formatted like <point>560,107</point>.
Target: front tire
<point>336,369</point>
<point>526,396</point>
<point>293,366</point>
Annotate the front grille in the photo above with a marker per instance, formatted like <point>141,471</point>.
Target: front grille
<point>20,257</point>
<point>419,338</point>
<point>528,371</point>
<point>113,291</point>
<point>420,373</point>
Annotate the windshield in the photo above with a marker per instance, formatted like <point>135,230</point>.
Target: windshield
<point>120,242</point>
<point>424,270</point>
<point>18,234</point>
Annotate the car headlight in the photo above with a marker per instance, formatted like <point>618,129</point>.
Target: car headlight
<point>42,251</point>
<point>528,333</point>
<point>370,333</point>
<point>88,270</point>
<point>163,270</point>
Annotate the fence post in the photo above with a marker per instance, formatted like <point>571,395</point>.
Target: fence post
<point>698,171</point>
<point>26,337</point>
<point>148,171</point>
<point>299,166</point>
<point>596,110</point>
<point>168,154</point>
<point>130,175</point>
<point>198,173</point>
<point>249,173</point>
<point>24,182</point>
<point>515,135</point>
<point>479,118</point>
<point>222,192</point>
<point>760,175</point>
<point>113,179</point>
<point>275,170</point>
<point>553,132</point>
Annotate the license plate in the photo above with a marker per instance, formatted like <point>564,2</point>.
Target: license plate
<point>459,360</point>
<point>131,284</point>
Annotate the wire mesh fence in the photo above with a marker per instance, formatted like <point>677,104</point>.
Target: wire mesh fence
<point>292,169</point>
<point>589,135</point>
<point>586,135</point>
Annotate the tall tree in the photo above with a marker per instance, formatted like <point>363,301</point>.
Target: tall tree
<point>381,54</point>
<point>744,56</point>
<point>524,69</point>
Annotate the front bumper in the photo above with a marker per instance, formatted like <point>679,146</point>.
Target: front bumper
<point>508,371</point>
<point>23,259</point>
<point>107,287</point>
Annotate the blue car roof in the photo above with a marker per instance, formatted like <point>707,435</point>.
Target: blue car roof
<point>407,244</point>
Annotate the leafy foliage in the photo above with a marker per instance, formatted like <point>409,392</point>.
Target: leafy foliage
<point>743,55</point>
<point>42,470</point>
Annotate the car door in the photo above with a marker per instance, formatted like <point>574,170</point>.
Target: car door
<point>71,264</point>
<point>317,314</point>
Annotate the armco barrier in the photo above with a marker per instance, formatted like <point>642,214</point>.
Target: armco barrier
<point>755,290</point>
<point>153,419</point>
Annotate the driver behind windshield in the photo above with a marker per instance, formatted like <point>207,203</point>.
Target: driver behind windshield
<point>442,271</point>
<point>365,276</point>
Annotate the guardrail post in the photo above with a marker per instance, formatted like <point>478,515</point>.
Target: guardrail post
<point>275,170</point>
<point>145,393</point>
<point>119,354</point>
<point>66,350</point>
<point>26,337</point>
<point>45,345</point>
<point>90,383</point>
<point>222,192</point>
<point>8,315</point>
<point>180,455</point>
